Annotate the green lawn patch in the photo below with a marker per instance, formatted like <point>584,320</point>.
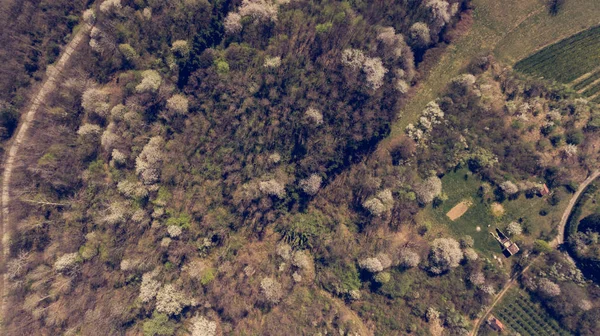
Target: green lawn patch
<point>462,185</point>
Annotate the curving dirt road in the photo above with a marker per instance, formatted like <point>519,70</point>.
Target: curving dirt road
<point>560,239</point>
<point>47,86</point>
<point>554,243</point>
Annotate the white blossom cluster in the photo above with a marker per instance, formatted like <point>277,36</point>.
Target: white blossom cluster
<point>233,23</point>
<point>110,5</point>
<point>174,231</point>
<point>432,115</point>
<point>88,129</point>
<point>371,66</point>
<point>380,203</point>
<point>569,150</point>
<point>314,115</point>
<point>132,189</point>
<point>514,229</point>
<point>409,258</point>
<point>509,187</point>
<point>272,62</point>
<point>151,81</point>
<point>312,184</point>
<point>66,262</point>
<point>147,164</point>
<point>445,254</point>
<point>201,326</point>
<point>259,10</point>
<point>89,16</point>
<point>273,188</point>
<point>429,189</point>
<point>178,104</point>
<point>149,287</point>
<point>170,301</point>
<point>420,34</point>
<point>96,101</point>
<point>272,290</point>
<point>376,264</point>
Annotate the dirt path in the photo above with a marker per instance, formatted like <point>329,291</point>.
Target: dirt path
<point>555,243</point>
<point>53,73</point>
<point>563,221</point>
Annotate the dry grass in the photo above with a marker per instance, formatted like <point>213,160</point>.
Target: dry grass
<point>459,210</point>
<point>497,209</point>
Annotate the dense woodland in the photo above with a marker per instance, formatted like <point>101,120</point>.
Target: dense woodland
<point>212,167</point>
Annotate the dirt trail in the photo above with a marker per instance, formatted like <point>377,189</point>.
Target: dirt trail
<point>554,243</point>
<point>53,73</point>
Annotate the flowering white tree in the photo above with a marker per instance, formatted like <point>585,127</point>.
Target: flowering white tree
<point>178,104</point>
<point>272,290</point>
<point>89,16</point>
<point>181,48</point>
<point>66,262</point>
<point>174,231</point>
<point>147,164</point>
<point>445,254</point>
<point>570,150</point>
<point>470,254</point>
<point>170,301</point>
<point>132,189</point>
<point>314,115</point>
<point>420,34</point>
<point>514,229</point>
<point>201,326</point>
<point>151,81</point>
<point>110,5</point>
<point>88,129</point>
<point>409,258</point>
<point>353,58</point>
<point>149,287</point>
<point>372,265</point>
<point>273,188</point>
<point>272,62</point>
<point>233,23</point>
<point>428,189</point>
<point>259,10</point>
<point>95,100</point>
<point>312,184</point>
<point>477,278</point>
<point>548,288</point>
<point>509,187</point>
<point>375,71</point>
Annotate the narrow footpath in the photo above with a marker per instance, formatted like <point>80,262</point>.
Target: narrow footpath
<point>53,74</point>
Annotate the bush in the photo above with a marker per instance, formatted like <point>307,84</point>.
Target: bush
<point>159,325</point>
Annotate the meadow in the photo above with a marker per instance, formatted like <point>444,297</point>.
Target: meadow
<point>535,214</point>
<point>519,313</point>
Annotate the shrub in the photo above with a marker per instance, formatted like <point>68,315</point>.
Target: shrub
<point>159,325</point>
<point>445,254</point>
<point>272,290</point>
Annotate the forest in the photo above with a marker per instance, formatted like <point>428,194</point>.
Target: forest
<point>227,167</point>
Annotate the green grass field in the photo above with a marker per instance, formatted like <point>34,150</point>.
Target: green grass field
<point>519,313</point>
<point>566,60</point>
<point>526,210</point>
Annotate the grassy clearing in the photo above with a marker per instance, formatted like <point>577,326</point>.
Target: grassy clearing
<point>518,312</point>
<point>566,60</point>
<point>461,185</point>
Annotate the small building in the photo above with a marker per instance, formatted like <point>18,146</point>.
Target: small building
<point>495,324</point>
<point>509,248</point>
<point>545,191</point>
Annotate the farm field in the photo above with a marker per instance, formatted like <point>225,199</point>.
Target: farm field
<point>566,60</point>
<point>461,185</point>
<point>519,313</point>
